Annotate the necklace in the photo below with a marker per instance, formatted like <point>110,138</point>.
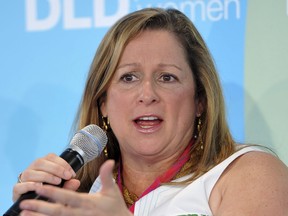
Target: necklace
<point>129,198</point>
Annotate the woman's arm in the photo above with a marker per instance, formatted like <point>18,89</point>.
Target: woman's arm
<point>254,184</point>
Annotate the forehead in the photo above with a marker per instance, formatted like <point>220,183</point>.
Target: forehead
<point>157,43</point>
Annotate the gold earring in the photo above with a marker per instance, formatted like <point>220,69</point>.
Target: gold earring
<point>106,152</point>
<point>106,123</point>
<point>105,127</point>
<point>199,135</point>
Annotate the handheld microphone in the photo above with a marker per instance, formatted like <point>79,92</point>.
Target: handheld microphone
<point>86,145</point>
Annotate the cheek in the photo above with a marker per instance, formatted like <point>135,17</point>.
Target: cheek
<point>118,110</point>
<point>116,103</point>
<point>184,97</point>
<point>184,106</point>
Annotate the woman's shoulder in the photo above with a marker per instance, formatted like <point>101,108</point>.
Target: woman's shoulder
<point>253,179</point>
<point>256,166</point>
<point>256,160</point>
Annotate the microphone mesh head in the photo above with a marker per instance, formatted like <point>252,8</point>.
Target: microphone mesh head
<point>89,142</point>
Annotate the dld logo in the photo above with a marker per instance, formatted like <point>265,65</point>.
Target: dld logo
<point>66,9</point>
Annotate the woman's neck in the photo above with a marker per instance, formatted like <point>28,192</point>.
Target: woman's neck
<point>138,173</point>
<point>137,177</point>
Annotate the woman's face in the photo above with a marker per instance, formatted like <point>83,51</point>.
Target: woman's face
<point>151,101</point>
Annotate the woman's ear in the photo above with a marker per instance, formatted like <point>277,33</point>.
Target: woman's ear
<point>103,109</point>
<point>199,107</point>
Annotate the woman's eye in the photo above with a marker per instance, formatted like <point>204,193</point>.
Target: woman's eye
<point>128,77</point>
<point>167,78</point>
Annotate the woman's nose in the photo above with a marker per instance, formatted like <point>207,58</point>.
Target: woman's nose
<point>148,93</point>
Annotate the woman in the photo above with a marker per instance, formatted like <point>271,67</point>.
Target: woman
<point>154,88</point>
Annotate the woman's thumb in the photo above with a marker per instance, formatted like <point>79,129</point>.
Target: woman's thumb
<point>106,176</point>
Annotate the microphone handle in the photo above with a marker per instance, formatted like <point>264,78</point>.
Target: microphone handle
<point>15,209</point>
<point>76,162</point>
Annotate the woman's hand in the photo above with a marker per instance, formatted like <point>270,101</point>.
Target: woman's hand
<point>50,169</point>
<point>107,202</point>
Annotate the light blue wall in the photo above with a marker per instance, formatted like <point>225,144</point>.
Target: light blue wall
<point>46,48</point>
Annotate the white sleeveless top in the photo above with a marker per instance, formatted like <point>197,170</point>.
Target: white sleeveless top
<point>189,200</point>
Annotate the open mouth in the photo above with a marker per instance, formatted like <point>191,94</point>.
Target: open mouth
<point>148,122</point>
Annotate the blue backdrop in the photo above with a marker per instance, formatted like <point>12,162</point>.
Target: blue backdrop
<point>46,50</point>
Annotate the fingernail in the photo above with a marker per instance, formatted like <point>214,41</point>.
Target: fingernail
<point>68,174</point>
<point>56,180</point>
<point>73,173</point>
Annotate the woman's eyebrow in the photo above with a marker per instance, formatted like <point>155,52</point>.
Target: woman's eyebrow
<point>170,65</point>
<point>128,65</point>
<point>160,65</point>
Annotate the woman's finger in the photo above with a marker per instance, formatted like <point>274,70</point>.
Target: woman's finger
<point>59,195</point>
<point>51,164</point>
<point>39,208</point>
<point>72,184</point>
<point>106,176</point>
<point>22,188</point>
<point>40,176</point>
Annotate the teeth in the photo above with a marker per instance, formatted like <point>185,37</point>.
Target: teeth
<point>145,127</point>
<point>148,118</point>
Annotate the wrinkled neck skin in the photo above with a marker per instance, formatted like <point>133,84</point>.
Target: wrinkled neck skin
<point>139,173</point>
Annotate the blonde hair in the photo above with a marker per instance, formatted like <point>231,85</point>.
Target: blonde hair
<point>217,140</point>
